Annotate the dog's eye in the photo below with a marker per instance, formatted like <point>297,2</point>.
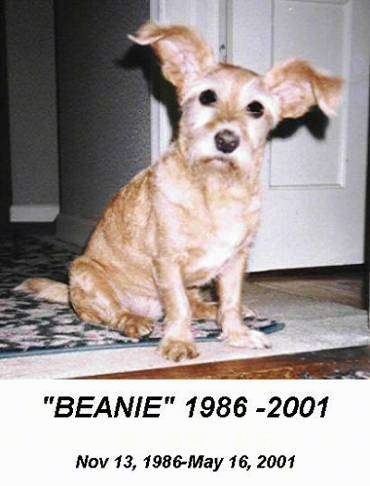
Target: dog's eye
<point>255,109</point>
<point>207,97</point>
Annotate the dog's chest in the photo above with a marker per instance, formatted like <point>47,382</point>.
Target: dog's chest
<point>227,232</point>
<point>221,244</point>
<point>208,223</point>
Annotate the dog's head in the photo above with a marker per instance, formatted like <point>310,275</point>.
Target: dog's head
<point>228,111</point>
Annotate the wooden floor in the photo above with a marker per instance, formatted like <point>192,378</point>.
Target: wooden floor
<point>344,286</point>
<point>340,285</point>
<point>334,363</point>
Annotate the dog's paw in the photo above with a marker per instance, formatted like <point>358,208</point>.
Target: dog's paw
<point>135,327</point>
<point>177,350</point>
<point>246,338</point>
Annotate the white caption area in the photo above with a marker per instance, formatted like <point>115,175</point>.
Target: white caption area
<point>39,449</point>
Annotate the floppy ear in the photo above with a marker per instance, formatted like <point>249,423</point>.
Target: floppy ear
<point>182,52</point>
<point>297,86</point>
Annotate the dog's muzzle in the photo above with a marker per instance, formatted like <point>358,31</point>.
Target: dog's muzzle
<point>226,141</point>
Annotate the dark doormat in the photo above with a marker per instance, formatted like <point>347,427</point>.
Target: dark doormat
<point>29,326</point>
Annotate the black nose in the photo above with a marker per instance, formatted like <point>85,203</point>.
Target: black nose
<point>226,141</point>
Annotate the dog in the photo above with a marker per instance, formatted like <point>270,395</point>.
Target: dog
<point>191,217</point>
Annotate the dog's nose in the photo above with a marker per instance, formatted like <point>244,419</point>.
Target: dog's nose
<point>226,141</point>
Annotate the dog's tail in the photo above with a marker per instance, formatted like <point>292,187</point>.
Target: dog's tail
<point>44,288</point>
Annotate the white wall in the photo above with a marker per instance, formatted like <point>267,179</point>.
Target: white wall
<point>32,109</point>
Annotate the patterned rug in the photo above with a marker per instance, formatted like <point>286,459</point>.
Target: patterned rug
<point>341,375</point>
<point>28,326</point>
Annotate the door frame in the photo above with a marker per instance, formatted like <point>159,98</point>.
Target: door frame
<point>203,14</point>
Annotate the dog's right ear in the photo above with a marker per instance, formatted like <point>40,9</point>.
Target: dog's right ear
<point>297,86</point>
<point>183,54</point>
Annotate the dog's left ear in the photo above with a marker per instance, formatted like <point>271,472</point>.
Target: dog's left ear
<point>182,52</point>
<point>297,86</point>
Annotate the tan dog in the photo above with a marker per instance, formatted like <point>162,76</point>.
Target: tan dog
<point>192,216</point>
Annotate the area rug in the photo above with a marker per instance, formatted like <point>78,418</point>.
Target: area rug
<point>340,375</point>
<point>30,326</point>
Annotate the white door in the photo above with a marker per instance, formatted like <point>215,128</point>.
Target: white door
<point>314,206</point>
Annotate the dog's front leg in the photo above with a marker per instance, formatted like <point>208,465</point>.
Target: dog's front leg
<point>229,284</point>
<point>177,343</point>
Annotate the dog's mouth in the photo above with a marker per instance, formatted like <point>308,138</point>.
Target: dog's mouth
<point>223,159</point>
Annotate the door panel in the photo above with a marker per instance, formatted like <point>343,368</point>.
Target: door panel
<point>302,29</point>
<point>314,206</point>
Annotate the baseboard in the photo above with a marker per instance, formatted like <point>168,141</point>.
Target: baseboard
<point>33,213</point>
<point>74,229</point>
